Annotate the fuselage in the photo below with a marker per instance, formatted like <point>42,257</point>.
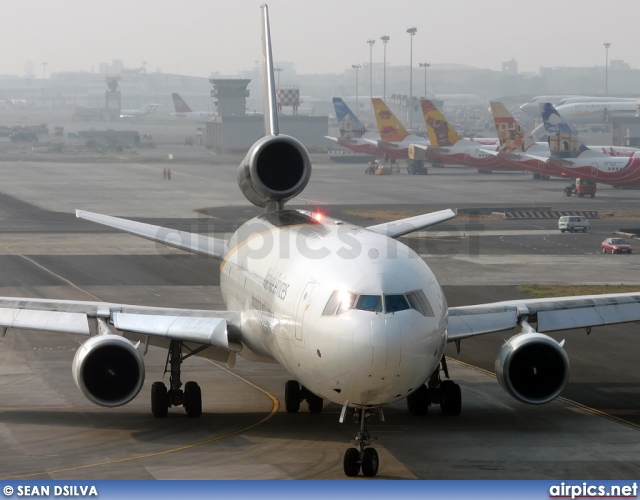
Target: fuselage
<point>614,170</point>
<point>340,307</point>
<point>470,154</point>
<point>597,112</point>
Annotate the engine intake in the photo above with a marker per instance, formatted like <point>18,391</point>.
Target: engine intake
<point>276,169</point>
<point>109,370</point>
<point>532,367</point>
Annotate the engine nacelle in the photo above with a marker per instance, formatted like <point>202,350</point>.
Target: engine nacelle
<point>276,169</point>
<point>532,367</point>
<point>109,370</point>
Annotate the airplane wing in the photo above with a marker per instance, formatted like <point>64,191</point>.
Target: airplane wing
<point>194,243</point>
<point>210,328</point>
<point>550,314</point>
<point>410,224</point>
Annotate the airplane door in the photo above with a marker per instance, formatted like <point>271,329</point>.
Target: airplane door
<point>466,155</point>
<point>303,305</point>
<point>594,169</point>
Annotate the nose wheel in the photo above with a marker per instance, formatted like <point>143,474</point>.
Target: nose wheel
<point>361,458</point>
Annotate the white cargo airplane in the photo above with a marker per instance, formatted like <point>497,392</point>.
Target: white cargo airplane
<point>147,109</point>
<point>356,317</point>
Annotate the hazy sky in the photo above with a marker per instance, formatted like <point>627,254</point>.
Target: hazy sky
<point>197,37</point>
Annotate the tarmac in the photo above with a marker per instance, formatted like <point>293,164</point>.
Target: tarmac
<point>49,430</point>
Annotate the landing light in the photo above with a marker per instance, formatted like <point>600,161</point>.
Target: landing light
<point>318,216</point>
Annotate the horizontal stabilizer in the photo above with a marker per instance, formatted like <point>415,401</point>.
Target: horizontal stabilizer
<point>409,225</point>
<point>194,243</point>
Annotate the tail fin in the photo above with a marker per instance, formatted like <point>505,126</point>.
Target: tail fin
<point>271,126</point>
<point>512,136</point>
<point>441,133</point>
<point>390,128</point>
<point>563,140</point>
<point>180,105</point>
<point>350,126</point>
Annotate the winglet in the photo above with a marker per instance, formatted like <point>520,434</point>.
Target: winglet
<point>269,89</point>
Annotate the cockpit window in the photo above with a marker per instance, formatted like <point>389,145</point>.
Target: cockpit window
<point>339,302</point>
<point>394,303</point>
<point>369,303</point>
<point>418,301</point>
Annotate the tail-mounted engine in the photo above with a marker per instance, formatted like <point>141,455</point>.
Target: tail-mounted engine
<point>532,367</point>
<point>276,169</point>
<point>109,370</point>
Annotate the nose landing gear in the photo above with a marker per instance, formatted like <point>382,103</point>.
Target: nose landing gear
<point>361,457</point>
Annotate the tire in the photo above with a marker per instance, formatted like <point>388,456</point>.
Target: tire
<point>451,398</point>
<point>315,403</point>
<point>562,231</point>
<point>593,195</point>
<point>192,399</point>
<point>351,462</point>
<point>159,400</point>
<point>420,401</point>
<point>567,192</point>
<point>292,396</point>
<point>370,462</point>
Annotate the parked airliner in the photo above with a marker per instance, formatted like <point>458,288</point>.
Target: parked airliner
<point>355,316</point>
<point>353,134</point>
<point>185,112</point>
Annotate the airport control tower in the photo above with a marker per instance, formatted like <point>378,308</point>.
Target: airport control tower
<point>230,95</point>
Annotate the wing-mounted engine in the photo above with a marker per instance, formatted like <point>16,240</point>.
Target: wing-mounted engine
<point>109,370</point>
<point>532,367</point>
<point>276,169</point>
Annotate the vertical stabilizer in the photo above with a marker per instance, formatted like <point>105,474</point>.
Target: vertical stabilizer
<point>512,136</point>
<point>350,126</point>
<point>269,88</point>
<point>390,128</point>
<point>563,140</point>
<point>179,104</point>
<point>441,133</point>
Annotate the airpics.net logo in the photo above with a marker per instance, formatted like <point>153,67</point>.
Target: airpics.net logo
<point>44,491</point>
<point>586,490</point>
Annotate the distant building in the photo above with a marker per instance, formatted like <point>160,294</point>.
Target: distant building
<point>510,67</point>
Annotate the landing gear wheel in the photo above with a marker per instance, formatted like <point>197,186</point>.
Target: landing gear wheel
<point>159,400</point>
<point>292,396</point>
<point>315,403</point>
<point>418,402</point>
<point>351,462</point>
<point>451,398</point>
<point>370,462</point>
<point>192,399</point>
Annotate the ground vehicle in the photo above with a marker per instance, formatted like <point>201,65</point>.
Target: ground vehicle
<point>615,245</point>
<point>573,223</point>
<point>375,168</point>
<point>581,187</point>
<point>416,167</point>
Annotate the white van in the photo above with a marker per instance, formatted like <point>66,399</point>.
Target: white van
<point>573,223</point>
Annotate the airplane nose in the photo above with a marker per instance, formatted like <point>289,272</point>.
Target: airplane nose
<point>377,345</point>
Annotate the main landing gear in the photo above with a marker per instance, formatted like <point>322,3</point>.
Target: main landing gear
<point>361,457</point>
<point>190,398</point>
<point>294,394</point>
<point>436,391</point>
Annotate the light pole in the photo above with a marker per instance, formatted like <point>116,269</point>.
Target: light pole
<point>425,66</point>
<point>384,39</point>
<point>606,68</point>
<point>371,42</point>
<point>356,67</point>
<point>411,31</point>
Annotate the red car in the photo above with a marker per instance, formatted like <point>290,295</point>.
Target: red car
<point>615,245</point>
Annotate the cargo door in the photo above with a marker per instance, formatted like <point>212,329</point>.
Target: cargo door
<point>303,306</point>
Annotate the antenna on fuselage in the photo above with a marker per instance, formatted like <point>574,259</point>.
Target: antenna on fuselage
<point>269,87</point>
